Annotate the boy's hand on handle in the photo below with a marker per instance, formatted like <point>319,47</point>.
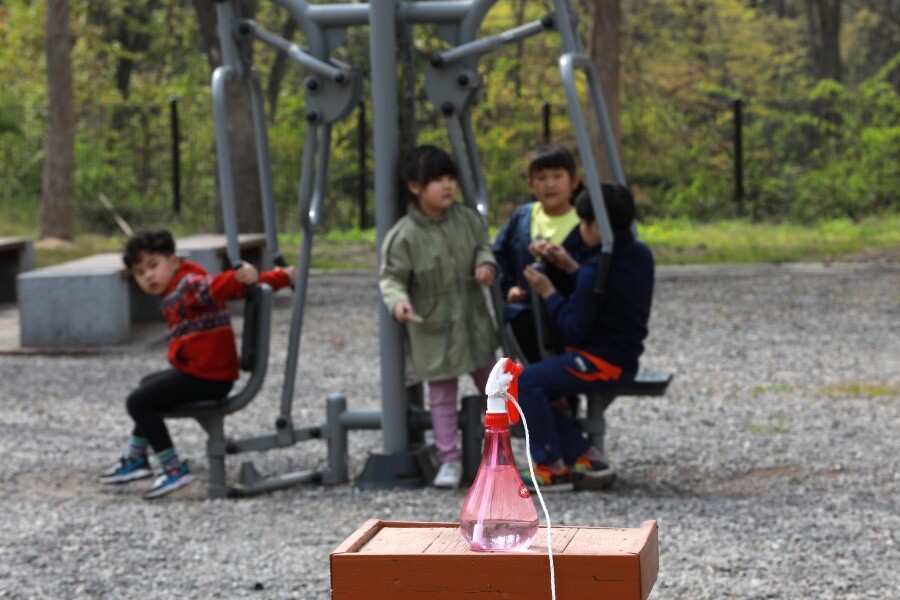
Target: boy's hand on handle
<point>484,274</point>
<point>516,294</point>
<point>291,272</point>
<point>539,282</point>
<point>404,313</point>
<point>247,274</point>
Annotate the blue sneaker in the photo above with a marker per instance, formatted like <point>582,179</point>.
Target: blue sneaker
<point>128,469</point>
<point>592,474</point>
<point>172,479</point>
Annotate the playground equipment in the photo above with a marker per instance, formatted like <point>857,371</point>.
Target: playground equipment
<point>332,89</point>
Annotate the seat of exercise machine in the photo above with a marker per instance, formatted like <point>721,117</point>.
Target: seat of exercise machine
<point>648,383</point>
<point>254,358</point>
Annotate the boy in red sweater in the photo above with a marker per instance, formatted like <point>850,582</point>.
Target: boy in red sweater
<point>202,351</point>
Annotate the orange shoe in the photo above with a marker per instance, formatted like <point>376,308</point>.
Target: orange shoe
<point>550,479</point>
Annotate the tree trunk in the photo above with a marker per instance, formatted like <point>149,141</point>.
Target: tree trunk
<point>604,52</point>
<point>133,40</point>
<point>240,123</point>
<point>824,20</point>
<point>520,49</point>
<point>57,219</point>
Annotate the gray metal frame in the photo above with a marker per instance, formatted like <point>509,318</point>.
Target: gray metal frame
<point>211,413</point>
<point>332,90</point>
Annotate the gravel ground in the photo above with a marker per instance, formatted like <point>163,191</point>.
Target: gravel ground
<point>770,465</point>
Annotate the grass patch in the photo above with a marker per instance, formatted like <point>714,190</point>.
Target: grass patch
<point>778,427</point>
<point>887,391</point>
<point>681,241</point>
<point>757,429</point>
<point>55,252</point>
<point>780,388</point>
<point>674,242</point>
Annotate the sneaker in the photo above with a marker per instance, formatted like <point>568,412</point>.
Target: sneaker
<point>592,474</point>
<point>127,469</point>
<point>172,479</point>
<point>449,475</point>
<point>550,479</point>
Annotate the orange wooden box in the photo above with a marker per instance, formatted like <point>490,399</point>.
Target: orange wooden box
<point>407,561</point>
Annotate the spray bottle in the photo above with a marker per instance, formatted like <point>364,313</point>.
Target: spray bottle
<point>498,514</point>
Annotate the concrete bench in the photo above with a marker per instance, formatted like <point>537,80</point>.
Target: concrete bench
<point>210,250</point>
<point>16,256</point>
<point>93,301</point>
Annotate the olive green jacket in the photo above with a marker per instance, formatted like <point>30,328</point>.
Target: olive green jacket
<point>431,263</point>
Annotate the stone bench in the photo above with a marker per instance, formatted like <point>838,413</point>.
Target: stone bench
<point>210,250</point>
<point>16,256</point>
<point>93,301</point>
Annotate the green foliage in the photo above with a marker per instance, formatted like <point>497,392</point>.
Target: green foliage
<point>684,241</point>
<point>812,150</point>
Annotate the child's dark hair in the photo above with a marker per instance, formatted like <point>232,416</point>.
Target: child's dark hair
<point>424,164</point>
<point>619,205</point>
<point>551,156</point>
<point>152,241</point>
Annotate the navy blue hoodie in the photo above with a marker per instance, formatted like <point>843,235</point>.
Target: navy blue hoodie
<point>612,325</point>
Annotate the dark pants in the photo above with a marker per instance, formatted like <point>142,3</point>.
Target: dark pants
<point>161,391</point>
<point>552,434</point>
<point>524,329</point>
<point>526,335</point>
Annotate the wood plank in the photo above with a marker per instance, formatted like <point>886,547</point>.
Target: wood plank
<point>515,576</point>
<point>402,540</point>
<point>649,558</point>
<point>560,536</point>
<point>418,561</point>
<point>607,541</point>
<point>359,537</point>
<point>450,541</point>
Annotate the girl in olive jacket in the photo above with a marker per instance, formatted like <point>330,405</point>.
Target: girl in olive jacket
<point>433,261</point>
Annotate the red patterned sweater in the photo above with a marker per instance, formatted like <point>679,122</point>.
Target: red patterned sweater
<point>201,341</point>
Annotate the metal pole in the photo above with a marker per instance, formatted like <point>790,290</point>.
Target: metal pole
<point>738,156</point>
<point>361,130</point>
<point>545,111</point>
<point>223,158</point>
<point>336,435</point>
<point>382,43</point>
<point>264,164</point>
<point>176,156</point>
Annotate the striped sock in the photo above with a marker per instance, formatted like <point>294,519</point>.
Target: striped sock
<point>137,447</point>
<point>167,458</point>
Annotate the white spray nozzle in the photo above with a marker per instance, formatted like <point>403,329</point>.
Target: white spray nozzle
<point>497,384</point>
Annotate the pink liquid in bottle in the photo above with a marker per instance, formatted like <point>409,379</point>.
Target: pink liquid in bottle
<point>498,514</point>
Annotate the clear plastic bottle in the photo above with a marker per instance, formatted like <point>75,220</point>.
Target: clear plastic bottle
<point>498,514</point>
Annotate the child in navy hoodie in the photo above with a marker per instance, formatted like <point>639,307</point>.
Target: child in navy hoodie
<point>202,351</point>
<point>603,336</point>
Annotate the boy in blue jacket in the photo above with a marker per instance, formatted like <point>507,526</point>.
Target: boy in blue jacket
<point>553,181</point>
<point>603,336</point>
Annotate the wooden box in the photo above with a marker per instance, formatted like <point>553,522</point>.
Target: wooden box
<point>406,561</point>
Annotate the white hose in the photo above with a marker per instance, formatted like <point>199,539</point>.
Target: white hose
<point>540,498</point>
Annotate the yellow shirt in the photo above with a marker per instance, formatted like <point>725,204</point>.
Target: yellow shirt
<point>555,229</point>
